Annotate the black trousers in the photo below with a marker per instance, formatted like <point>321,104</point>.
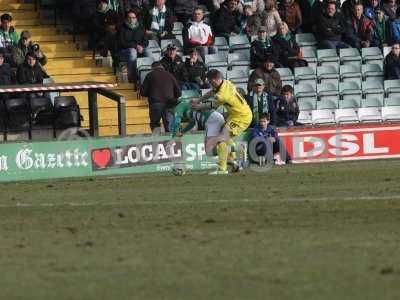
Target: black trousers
<point>158,111</point>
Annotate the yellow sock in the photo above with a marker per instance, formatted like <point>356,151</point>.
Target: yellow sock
<point>222,150</point>
<point>232,153</point>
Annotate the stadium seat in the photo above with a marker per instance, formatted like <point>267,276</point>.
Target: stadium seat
<point>327,74</point>
<point>67,113</point>
<point>348,90</point>
<point>305,75</point>
<point>42,112</point>
<point>238,76</point>
<point>349,56</point>
<point>154,47</point>
<point>349,103</point>
<point>18,114</point>
<point>307,103</point>
<point>223,70</point>
<point>238,59</point>
<point>216,60</point>
<point>190,94</point>
<point>331,103</point>
<point>391,113</point>
<point>304,90</point>
<point>327,57</point>
<point>323,116</point>
<point>372,88</point>
<point>372,72</point>
<point>392,88</point>
<point>305,117</point>
<point>346,115</point>
<point>370,114</point>
<point>371,55</point>
<point>177,28</point>
<point>327,89</point>
<point>221,43</point>
<point>391,102</point>
<point>144,64</point>
<point>350,72</point>
<point>305,39</point>
<point>286,76</point>
<point>238,42</point>
<point>372,102</point>
<point>242,86</point>
<point>310,55</point>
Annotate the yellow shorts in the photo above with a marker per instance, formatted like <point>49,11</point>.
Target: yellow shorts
<point>236,126</point>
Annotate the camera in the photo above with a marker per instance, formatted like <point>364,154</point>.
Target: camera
<point>34,48</point>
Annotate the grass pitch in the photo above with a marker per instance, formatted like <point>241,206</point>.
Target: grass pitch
<point>324,231</point>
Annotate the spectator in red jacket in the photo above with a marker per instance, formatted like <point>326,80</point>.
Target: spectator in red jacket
<point>359,29</point>
<point>197,34</point>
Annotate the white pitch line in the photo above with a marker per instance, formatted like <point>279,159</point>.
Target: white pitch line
<point>152,202</point>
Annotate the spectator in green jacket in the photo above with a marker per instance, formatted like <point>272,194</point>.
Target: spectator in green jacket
<point>8,36</point>
<point>24,46</point>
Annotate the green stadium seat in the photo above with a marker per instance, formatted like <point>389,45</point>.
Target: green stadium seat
<point>304,90</point>
<point>372,102</point>
<point>350,103</point>
<point>154,46</point>
<point>349,56</point>
<point>223,70</point>
<point>286,76</point>
<point>238,42</point>
<point>305,39</point>
<point>310,55</point>
<point>323,116</point>
<point>346,116</point>
<point>371,55</point>
<point>392,87</point>
<point>177,28</point>
<point>216,60</point>
<point>349,90</point>
<point>305,117</point>
<point>391,102</point>
<point>332,103</point>
<point>372,88</point>
<point>221,43</point>
<point>350,73</point>
<point>239,59</point>
<point>372,72</point>
<point>307,103</point>
<point>327,74</point>
<point>238,76</point>
<point>370,114</point>
<point>327,57</point>
<point>327,90</point>
<point>305,75</point>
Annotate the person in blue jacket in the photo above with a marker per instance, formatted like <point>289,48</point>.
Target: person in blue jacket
<point>266,143</point>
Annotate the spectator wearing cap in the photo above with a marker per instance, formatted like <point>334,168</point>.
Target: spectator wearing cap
<point>24,46</point>
<point>30,72</point>
<point>382,29</point>
<point>287,109</point>
<point>270,76</point>
<point>160,21</point>
<point>132,43</point>
<point>260,48</point>
<point>391,64</point>
<point>261,102</point>
<point>290,12</point>
<point>171,61</point>
<point>162,91</point>
<point>226,21</point>
<point>103,28</point>
<point>330,28</point>
<point>193,73</point>
<point>8,37</point>
<point>359,31</point>
<point>285,49</point>
<point>183,9</point>
<point>197,34</point>
<point>251,21</point>
<point>270,17</point>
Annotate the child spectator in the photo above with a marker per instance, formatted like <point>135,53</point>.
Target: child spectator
<point>287,109</point>
<point>270,18</point>
<point>193,74</point>
<point>267,144</point>
<point>251,22</point>
<point>160,22</point>
<point>260,102</point>
<point>260,48</point>
<point>290,13</point>
<point>197,34</point>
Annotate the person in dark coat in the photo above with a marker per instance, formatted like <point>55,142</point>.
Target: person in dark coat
<point>270,76</point>
<point>172,62</point>
<point>5,74</point>
<point>260,48</point>
<point>227,20</point>
<point>330,28</point>
<point>285,49</point>
<point>159,21</point>
<point>359,30</point>
<point>162,91</point>
<point>183,9</point>
<point>392,63</point>
<point>260,103</point>
<point>193,73</point>
<point>30,72</point>
<point>287,109</point>
<point>132,43</point>
<point>290,13</point>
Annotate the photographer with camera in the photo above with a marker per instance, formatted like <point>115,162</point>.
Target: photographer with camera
<point>24,46</point>
<point>8,37</point>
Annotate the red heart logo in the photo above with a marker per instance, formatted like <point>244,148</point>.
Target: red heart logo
<point>101,157</point>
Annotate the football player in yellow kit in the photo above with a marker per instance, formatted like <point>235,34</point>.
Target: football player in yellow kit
<point>239,116</point>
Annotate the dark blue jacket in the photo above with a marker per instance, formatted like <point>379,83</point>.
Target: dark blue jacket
<point>259,132</point>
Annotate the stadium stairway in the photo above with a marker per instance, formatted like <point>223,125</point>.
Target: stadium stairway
<point>67,62</point>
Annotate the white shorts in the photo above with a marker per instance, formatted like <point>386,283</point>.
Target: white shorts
<point>214,124</point>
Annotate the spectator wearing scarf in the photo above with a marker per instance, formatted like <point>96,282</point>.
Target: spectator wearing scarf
<point>260,48</point>
<point>160,22</point>
<point>261,102</point>
<point>197,34</point>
